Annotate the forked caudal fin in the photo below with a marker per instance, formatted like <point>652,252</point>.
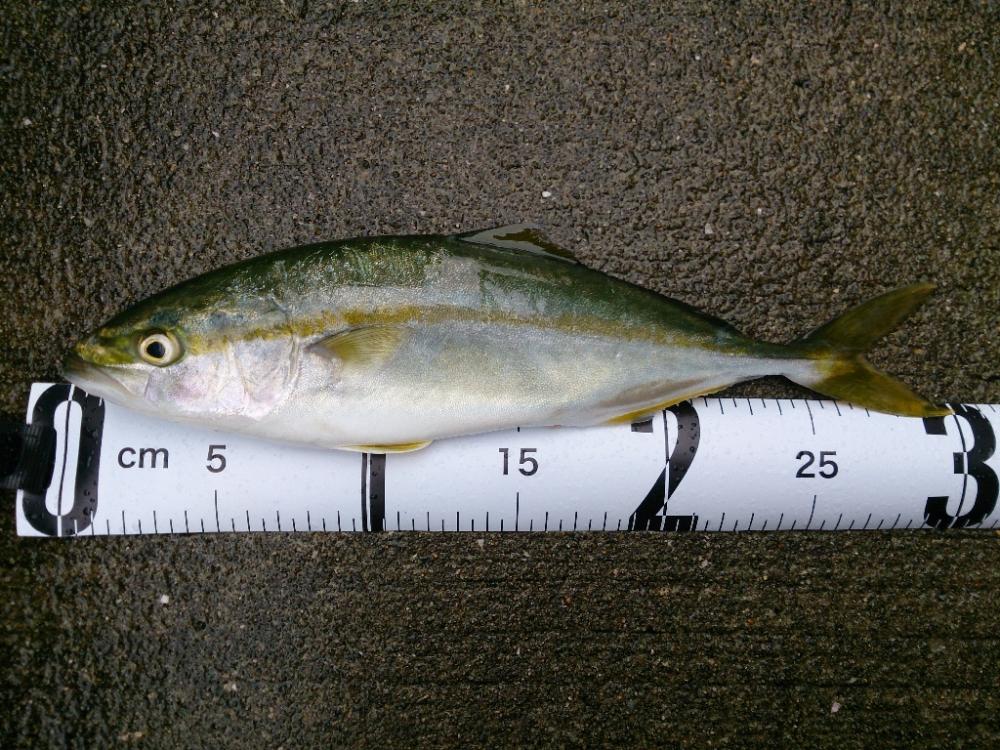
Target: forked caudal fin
<point>842,372</point>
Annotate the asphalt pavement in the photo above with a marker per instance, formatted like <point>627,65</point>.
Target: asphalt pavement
<point>769,163</point>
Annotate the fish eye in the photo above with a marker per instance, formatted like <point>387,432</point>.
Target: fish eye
<point>159,348</point>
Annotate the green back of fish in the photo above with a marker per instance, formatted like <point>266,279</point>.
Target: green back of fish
<point>306,284</point>
<point>317,291</point>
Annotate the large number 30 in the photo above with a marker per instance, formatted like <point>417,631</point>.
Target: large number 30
<point>971,461</point>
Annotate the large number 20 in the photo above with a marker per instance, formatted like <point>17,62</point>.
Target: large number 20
<point>972,462</point>
<point>650,515</point>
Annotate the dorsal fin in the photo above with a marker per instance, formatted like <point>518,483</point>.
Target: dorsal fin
<point>520,237</point>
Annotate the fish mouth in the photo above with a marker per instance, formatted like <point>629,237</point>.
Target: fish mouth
<point>94,379</point>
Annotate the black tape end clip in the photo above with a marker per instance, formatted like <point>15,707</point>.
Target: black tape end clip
<point>27,456</point>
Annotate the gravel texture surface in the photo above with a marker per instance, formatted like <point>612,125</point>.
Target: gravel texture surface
<point>769,163</point>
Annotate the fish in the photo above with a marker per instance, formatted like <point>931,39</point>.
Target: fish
<point>385,344</point>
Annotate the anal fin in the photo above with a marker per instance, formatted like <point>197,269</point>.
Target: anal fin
<point>642,412</point>
<point>388,448</point>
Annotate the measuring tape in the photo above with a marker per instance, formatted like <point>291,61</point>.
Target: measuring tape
<point>87,467</point>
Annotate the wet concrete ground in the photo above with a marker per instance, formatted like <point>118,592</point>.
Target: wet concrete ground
<point>766,163</point>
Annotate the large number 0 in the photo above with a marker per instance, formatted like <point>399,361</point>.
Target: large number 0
<point>83,488</point>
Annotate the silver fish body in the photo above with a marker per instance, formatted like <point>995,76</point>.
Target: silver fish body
<point>390,343</point>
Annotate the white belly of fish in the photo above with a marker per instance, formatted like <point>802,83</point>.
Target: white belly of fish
<point>465,378</point>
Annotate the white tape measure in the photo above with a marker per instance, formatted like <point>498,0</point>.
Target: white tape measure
<point>715,464</point>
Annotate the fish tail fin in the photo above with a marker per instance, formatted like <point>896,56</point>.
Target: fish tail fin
<point>834,360</point>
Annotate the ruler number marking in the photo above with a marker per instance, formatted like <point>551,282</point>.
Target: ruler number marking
<point>970,461</point>
<point>525,460</point>
<point>216,460</point>
<point>828,468</point>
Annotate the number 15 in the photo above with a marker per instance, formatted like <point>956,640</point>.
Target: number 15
<point>525,460</point>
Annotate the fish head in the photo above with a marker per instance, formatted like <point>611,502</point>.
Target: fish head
<point>185,357</point>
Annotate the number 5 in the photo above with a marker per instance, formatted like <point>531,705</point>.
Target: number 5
<point>213,456</point>
<point>528,460</point>
<point>825,463</point>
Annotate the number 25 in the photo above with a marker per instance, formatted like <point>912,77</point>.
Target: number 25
<point>827,468</point>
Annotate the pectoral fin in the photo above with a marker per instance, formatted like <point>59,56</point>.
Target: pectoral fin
<point>393,448</point>
<point>366,346</point>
